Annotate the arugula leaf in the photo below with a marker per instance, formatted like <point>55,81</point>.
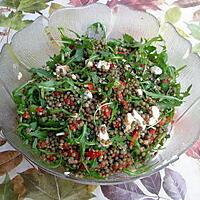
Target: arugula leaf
<point>128,38</point>
<point>78,55</point>
<point>38,134</point>
<point>180,69</point>
<point>52,111</point>
<point>48,85</point>
<point>42,72</point>
<point>114,107</point>
<point>34,144</point>
<point>95,77</point>
<point>33,125</point>
<point>187,92</point>
<point>161,96</point>
<point>82,141</point>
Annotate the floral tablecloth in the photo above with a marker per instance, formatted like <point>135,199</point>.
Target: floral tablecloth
<point>22,180</point>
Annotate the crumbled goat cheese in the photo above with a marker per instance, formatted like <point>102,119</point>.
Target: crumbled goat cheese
<point>128,121</point>
<point>134,117</point>
<point>62,70</point>
<point>104,136</point>
<point>156,70</point>
<point>89,63</point>
<point>155,115</point>
<point>127,66</point>
<point>104,64</point>
<point>140,92</point>
<point>88,94</point>
<point>73,76</point>
<point>139,119</point>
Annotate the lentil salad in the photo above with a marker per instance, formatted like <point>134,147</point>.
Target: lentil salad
<point>100,106</point>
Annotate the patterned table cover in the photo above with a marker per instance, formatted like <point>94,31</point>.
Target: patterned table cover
<point>181,180</point>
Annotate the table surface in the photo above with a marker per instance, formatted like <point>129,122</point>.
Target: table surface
<point>180,180</point>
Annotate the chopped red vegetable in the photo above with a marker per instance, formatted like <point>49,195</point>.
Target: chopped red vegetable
<point>94,154</point>
<point>26,115</point>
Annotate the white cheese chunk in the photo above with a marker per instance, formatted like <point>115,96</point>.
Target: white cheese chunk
<point>89,63</point>
<point>155,112</point>
<point>62,69</point>
<point>127,66</point>
<point>139,119</point>
<point>104,64</point>
<point>135,117</point>
<point>140,92</point>
<point>103,133</point>
<point>88,94</point>
<point>104,136</point>
<point>156,70</point>
<point>129,120</point>
<point>155,115</point>
<point>73,76</point>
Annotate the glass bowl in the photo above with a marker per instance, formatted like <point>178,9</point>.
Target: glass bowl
<point>32,46</point>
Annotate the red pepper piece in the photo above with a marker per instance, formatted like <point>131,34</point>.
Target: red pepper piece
<point>39,109</point>
<point>42,145</point>
<point>72,46</point>
<point>94,154</point>
<point>142,65</point>
<point>107,111</point>
<point>120,96</point>
<point>73,126</point>
<point>112,65</point>
<point>82,166</point>
<point>72,103</point>
<point>115,89</point>
<point>121,53</point>
<point>26,115</point>
<point>165,80</point>
<point>125,104</point>
<point>102,165</point>
<point>56,93</point>
<point>51,158</point>
<point>135,135</point>
<point>117,124</point>
<point>123,83</point>
<point>122,101</point>
<point>152,131</point>
<point>69,102</point>
<point>90,86</point>
<point>65,146</point>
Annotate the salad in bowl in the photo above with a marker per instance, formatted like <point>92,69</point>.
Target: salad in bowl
<point>91,97</point>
